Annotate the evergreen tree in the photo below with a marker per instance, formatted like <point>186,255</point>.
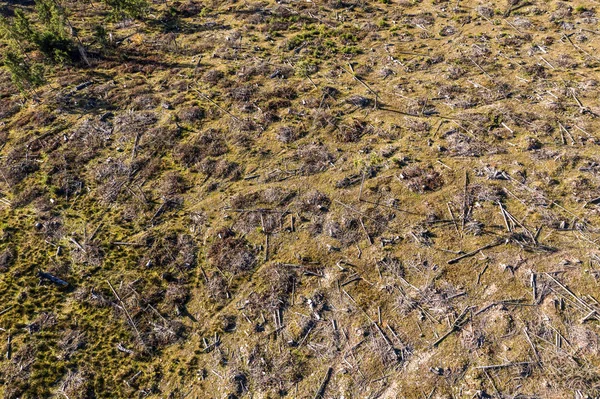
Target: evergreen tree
<point>25,76</point>
<point>53,40</point>
<point>21,35</point>
<point>128,8</point>
<point>50,38</point>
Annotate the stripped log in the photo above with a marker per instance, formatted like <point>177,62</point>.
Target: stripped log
<point>321,391</point>
<point>49,277</point>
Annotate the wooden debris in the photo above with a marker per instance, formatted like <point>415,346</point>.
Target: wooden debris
<point>460,321</point>
<point>356,211</point>
<point>503,365</point>
<point>133,325</point>
<point>475,252</point>
<point>571,293</point>
<point>50,277</point>
<point>123,349</point>
<point>133,244</point>
<point>77,244</point>
<point>6,310</point>
<point>9,347</point>
<point>321,391</point>
<point>351,280</point>
<point>534,286</point>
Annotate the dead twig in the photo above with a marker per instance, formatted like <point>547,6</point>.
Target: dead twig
<point>475,252</point>
<point>6,310</point>
<point>503,365</point>
<point>216,105</point>
<point>460,321</point>
<point>126,311</point>
<point>363,83</point>
<point>321,391</point>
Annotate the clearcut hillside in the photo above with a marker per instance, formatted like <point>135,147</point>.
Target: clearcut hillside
<point>299,199</point>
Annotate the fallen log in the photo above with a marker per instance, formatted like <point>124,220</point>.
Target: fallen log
<point>49,277</point>
<point>320,393</point>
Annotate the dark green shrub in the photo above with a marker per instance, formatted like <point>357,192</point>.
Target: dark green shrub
<point>128,8</point>
<point>24,75</point>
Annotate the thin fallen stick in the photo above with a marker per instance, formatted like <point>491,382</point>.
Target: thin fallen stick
<point>481,273</point>
<point>507,128</point>
<point>518,223</point>
<point>480,68</point>
<point>464,215</point>
<point>324,383</point>
<point>391,207</point>
<point>452,216</point>
<point>366,232</point>
<point>508,228</point>
<point>475,252</point>
<point>6,310</point>
<point>493,383</point>
<point>491,305</point>
<point>9,347</point>
<point>535,352</point>
<point>216,105</point>
<point>579,48</point>
<point>126,311</point>
<point>426,116</point>
<point>362,182</point>
<point>534,286</point>
<point>354,210</point>
<point>591,315</point>
<point>364,84</point>
<point>581,302</point>
<point>74,241</point>
<point>49,277</point>
<point>261,210</point>
<point>503,365</point>
<point>564,129</point>
<point>160,209</point>
<point>353,279</point>
<point>458,323</point>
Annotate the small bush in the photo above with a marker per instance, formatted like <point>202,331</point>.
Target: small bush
<point>128,8</point>
<point>210,143</point>
<point>25,76</point>
<point>315,202</point>
<point>191,114</point>
<point>315,158</point>
<point>231,254</point>
<point>171,250</point>
<point>421,180</point>
<point>6,259</point>
<point>287,134</point>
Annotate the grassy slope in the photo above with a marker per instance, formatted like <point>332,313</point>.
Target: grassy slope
<point>486,88</point>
